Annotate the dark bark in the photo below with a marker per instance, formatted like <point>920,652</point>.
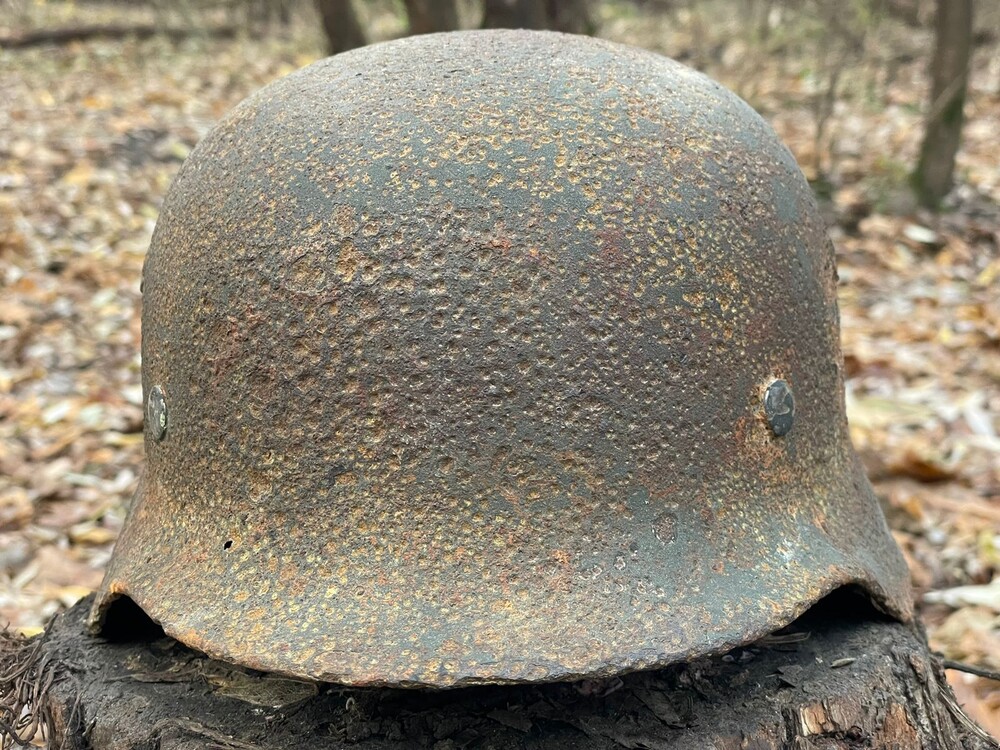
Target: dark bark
<point>81,33</point>
<point>836,679</point>
<point>268,12</point>
<point>571,16</point>
<point>343,31</point>
<point>949,81</point>
<point>428,16</point>
<point>515,14</point>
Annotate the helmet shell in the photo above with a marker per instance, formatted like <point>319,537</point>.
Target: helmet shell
<point>461,355</point>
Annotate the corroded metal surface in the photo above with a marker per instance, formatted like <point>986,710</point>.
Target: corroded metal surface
<point>463,343</point>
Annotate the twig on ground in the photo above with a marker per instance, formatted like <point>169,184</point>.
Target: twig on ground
<point>989,674</point>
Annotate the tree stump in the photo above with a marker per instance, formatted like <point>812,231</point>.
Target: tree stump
<point>839,677</point>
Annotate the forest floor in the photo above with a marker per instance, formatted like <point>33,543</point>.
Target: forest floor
<point>91,134</point>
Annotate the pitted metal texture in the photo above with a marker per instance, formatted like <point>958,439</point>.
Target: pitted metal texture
<point>465,342</point>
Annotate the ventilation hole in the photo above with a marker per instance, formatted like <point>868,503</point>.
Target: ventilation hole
<point>124,621</point>
<point>228,544</point>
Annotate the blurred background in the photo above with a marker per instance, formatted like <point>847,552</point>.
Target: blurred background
<point>892,108</point>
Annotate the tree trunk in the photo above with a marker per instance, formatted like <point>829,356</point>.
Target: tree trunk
<point>571,16</point>
<point>82,33</point>
<point>343,32</point>
<point>949,80</point>
<point>428,16</point>
<point>834,680</point>
<point>514,14</point>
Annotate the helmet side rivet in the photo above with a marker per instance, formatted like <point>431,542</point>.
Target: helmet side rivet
<point>156,413</point>
<point>779,407</point>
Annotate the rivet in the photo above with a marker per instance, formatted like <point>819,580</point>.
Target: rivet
<point>779,407</point>
<point>156,413</point>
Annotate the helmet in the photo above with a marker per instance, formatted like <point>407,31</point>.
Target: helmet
<point>492,357</point>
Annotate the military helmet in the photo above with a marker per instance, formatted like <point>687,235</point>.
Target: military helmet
<point>492,357</point>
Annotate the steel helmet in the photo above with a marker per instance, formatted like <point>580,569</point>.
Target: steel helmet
<point>492,357</point>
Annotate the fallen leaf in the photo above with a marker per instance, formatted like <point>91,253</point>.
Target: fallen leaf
<point>962,596</point>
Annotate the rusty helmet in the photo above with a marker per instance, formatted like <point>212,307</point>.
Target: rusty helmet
<point>492,357</point>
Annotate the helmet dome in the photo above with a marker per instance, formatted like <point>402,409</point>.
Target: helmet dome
<point>491,357</point>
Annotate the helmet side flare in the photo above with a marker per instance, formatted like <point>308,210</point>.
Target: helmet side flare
<point>492,357</point>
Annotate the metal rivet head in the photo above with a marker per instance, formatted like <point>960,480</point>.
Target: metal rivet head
<point>779,407</point>
<point>156,413</point>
